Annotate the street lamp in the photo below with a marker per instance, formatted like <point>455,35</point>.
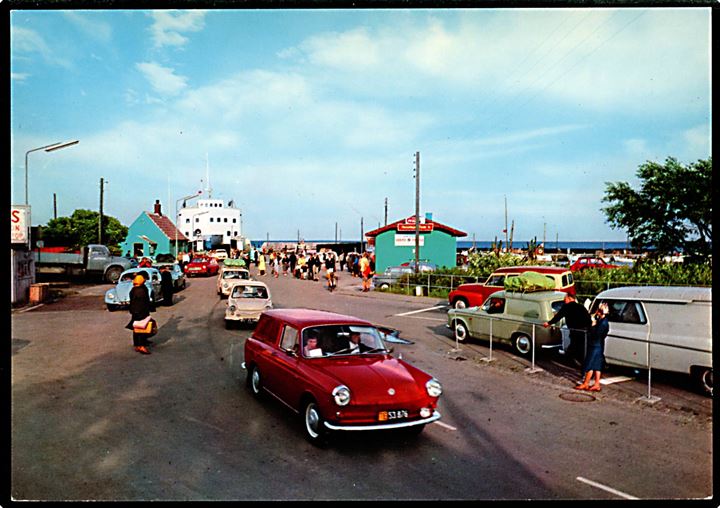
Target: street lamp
<point>192,221</point>
<point>176,217</point>
<point>47,148</point>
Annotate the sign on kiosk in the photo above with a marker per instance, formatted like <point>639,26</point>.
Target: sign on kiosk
<point>20,224</point>
<point>409,225</point>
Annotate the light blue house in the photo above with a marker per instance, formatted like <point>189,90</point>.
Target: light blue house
<point>152,234</point>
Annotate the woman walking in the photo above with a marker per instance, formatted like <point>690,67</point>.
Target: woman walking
<point>139,310</point>
<point>595,356</point>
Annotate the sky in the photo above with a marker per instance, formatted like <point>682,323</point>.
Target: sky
<point>309,120</point>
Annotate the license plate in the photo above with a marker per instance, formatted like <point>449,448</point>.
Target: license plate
<point>392,415</point>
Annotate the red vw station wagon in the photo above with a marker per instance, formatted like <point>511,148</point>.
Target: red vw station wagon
<point>472,295</point>
<point>337,373</point>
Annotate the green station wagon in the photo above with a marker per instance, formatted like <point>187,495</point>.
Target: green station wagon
<point>510,316</point>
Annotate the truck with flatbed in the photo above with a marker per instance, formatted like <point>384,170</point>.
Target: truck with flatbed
<point>91,260</point>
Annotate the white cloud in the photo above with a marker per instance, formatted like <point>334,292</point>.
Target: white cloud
<point>163,79</point>
<point>168,26</point>
<point>26,41</point>
<point>89,24</point>
<point>698,139</point>
<point>19,76</point>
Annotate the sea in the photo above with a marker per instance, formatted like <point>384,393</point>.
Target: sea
<point>584,246</point>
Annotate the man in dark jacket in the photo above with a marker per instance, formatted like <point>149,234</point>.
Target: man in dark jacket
<point>166,285</point>
<point>577,319</point>
<point>139,310</point>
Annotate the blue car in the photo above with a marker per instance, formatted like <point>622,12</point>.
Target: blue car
<point>119,296</point>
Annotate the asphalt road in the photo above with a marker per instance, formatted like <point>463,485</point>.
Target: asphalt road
<point>94,420</point>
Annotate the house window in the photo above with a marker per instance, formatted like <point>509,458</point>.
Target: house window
<point>211,219</point>
<point>187,220</point>
<point>228,233</point>
<point>234,221</point>
<point>225,219</point>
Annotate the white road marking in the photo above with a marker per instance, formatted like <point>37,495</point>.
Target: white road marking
<point>449,427</point>
<point>616,379</point>
<point>605,488</point>
<point>421,310</point>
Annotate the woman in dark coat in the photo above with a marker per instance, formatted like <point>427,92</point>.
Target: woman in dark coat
<point>139,310</point>
<point>595,357</point>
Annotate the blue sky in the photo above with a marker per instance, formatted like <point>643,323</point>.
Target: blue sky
<point>312,118</point>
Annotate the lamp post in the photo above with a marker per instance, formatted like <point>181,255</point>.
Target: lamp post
<point>192,221</point>
<point>47,148</point>
<point>176,217</point>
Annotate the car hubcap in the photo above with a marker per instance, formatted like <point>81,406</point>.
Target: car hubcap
<point>523,344</point>
<point>460,333</point>
<point>256,381</point>
<point>312,421</point>
<point>460,304</point>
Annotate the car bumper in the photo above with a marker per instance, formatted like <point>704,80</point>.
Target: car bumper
<point>399,425</point>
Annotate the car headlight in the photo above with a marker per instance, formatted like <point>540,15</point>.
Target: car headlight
<point>111,296</point>
<point>232,308</point>
<point>225,285</point>
<point>341,394</point>
<point>433,387</point>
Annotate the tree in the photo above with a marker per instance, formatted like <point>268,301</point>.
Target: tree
<point>81,228</point>
<point>671,211</point>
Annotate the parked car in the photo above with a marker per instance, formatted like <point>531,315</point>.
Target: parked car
<point>202,266</point>
<point>229,276</point>
<point>178,276</point>
<point>425,266</point>
<point>246,301</point>
<point>584,262</point>
<point>474,294</point>
<point>665,328</point>
<point>331,385</point>
<point>390,276</point>
<point>512,316</point>
<point>118,297</point>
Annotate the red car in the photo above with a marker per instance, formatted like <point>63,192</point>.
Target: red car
<point>202,266</point>
<point>584,262</point>
<point>474,294</point>
<point>336,372</point>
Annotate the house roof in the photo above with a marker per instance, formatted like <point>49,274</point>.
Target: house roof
<point>436,226</point>
<point>166,226</point>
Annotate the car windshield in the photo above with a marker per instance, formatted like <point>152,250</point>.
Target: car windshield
<point>129,276</point>
<point>235,274</point>
<point>198,260</point>
<point>331,340</point>
<point>241,291</point>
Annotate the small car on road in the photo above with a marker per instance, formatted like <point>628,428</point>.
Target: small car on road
<point>118,296</point>
<point>474,294</point>
<point>510,316</point>
<point>202,266</point>
<point>336,372</point>
<point>228,277</point>
<point>178,276</point>
<point>246,301</point>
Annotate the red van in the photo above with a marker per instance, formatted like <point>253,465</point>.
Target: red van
<point>471,295</point>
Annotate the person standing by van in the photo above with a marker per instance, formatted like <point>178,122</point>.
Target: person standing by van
<point>595,357</point>
<point>578,321</point>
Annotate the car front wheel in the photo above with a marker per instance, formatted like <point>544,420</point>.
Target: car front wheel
<point>461,331</point>
<point>315,431</point>
<point>254,381</point>
<point>460,303</point>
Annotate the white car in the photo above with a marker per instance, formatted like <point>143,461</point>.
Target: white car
<point>219,254</point>
<point>228,277</point>
<point>248,299</point>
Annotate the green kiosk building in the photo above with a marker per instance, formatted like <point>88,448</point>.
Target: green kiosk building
<point>395,243</point>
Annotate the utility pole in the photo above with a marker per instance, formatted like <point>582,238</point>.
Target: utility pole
<point>54,206</point>
<point>417,212</point>
<point>362,237</point>
<point>100,223</point>
<point>506,228</point>
<point>336,233</point>
<point>386,211</point>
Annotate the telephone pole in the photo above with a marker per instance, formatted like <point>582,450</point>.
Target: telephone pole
<point>417,212</point>
<point>54,206</point>
<point>386,211</point>
<point>100,222</point>
<point>362,237</point>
